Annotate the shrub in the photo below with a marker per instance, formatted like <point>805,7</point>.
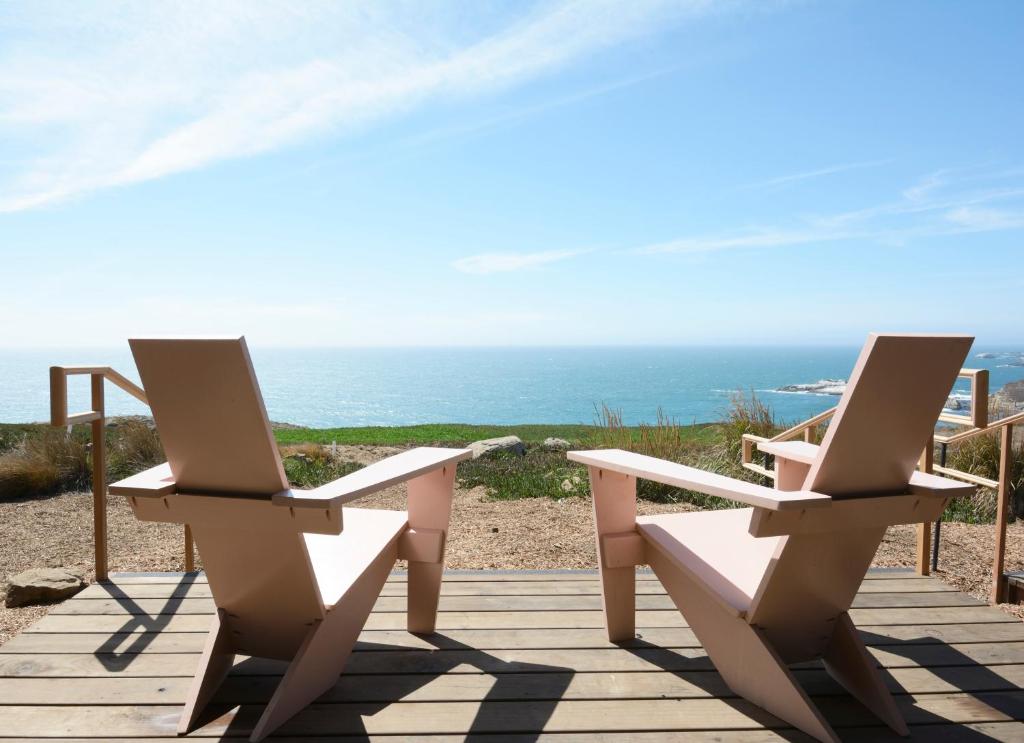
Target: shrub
<point>665,439</point>
<point>132,446</point>
<point>747,415</point>
<point>537,474</point>
<point>980,456</point>
<point>310,466</point>
<point>46,462</point>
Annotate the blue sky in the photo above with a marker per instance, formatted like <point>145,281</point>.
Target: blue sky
<point>510,173</point>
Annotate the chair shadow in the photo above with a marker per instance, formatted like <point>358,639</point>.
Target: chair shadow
<point>827,693</point>
<point>415,669</point>
<point>140,628</point>
<point>949,664</point>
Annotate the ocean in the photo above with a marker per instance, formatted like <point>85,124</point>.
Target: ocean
<point>331,387</point>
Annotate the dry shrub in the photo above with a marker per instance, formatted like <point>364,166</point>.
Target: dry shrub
<point>664,439</point>
<point>48,461</point>
<point>747,415</point>
<point>980,456</point>
<point>133,446</point>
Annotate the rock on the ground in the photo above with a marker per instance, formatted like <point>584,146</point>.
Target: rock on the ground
<point>511,444</point>
<point>553,443</point>
<point>42,585</point>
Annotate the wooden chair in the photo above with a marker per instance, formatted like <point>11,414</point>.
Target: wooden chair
<point>288,581</point>
<point>771,585</point>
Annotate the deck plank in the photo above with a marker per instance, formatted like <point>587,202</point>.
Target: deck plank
<point>581,716</point>
<point>192,642</point>
<point>397,604</point>
<point>166,665</point>
<point>440,687</point>
<point>588,587</point>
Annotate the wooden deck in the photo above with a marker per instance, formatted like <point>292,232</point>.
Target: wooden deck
<point>517,656</point>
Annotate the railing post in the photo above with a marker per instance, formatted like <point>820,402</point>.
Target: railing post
<point>99,478</point>
<point>190,558</point>
<point>924,531</point>
<point>998,594</point>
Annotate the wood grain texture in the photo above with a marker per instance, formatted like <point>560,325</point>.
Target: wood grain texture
<point>951,680</point>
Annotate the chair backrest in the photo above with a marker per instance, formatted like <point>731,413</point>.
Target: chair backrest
<point>214,428</point>
<point>887,414</point>
<point>885,419</point>
<point>210,414</point>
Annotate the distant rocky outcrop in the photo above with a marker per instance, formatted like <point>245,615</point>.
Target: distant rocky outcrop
<point>821,387</point>
<point>42,586</point>
<point>1011,395</point>
<point>1009,358</point>
<point>511,444</point>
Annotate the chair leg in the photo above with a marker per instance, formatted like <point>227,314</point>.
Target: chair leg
<point>214,664</point>
<point>327,646</point>
<point>741,653</point>
<point>430,507</point>
<point>615,513</point>
<point>850,663</point>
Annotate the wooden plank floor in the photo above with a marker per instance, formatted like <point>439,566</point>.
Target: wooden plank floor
<point>517,656</point>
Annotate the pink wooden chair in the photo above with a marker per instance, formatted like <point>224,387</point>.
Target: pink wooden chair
<point>771,585</point>
<point>288,581</point>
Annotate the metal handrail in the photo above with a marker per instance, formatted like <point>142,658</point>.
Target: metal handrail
<point>97,417</point>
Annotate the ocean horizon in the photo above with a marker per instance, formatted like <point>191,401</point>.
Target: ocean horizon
<point>337,387</point>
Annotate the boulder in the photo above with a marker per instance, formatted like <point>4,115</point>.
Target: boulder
<point>42,585</point>
<point>511,444</point>
<point>571,484</point>
<point>555,444</point>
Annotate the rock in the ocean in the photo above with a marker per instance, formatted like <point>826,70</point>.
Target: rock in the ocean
<point>42,585</point>
<point>821,387</point>
<point>512,444</point>
<point>555,444</point>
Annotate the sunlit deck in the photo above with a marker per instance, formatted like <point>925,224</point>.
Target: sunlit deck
<point>517,654</point>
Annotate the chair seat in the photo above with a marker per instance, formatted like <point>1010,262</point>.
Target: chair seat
<point>716,548</point>
<point>339,559</point>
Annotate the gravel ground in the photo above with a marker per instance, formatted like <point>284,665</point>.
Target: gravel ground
<point>525,534</point>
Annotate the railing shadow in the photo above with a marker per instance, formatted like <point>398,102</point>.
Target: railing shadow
<point>140,628</point>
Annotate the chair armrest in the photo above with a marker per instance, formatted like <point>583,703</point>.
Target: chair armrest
<point>923,483</point>
<point>377,476</point>
<point>690,478</point>
<point>152,483</point>
<point>796,451</point>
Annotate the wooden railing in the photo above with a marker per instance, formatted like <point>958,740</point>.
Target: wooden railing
<point>97,418</point>
<point>977,424</point>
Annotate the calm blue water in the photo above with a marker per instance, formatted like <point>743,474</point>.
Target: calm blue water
<point>359,387</point>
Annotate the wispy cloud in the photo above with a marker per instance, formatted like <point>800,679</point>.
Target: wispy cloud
<point>934,205</point>
<point>94,97</point>
<point>486,263</point>
<point>806,175</point>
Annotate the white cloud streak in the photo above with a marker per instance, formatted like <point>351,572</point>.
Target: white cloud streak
<point>487,263</point>
<point>785,180</point>
<point>98,96</point>
<point>933,206</point>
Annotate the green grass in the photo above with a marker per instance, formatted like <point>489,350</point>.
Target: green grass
<point>450,434</point>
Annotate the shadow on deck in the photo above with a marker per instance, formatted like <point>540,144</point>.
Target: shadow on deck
<point>517,656</point>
